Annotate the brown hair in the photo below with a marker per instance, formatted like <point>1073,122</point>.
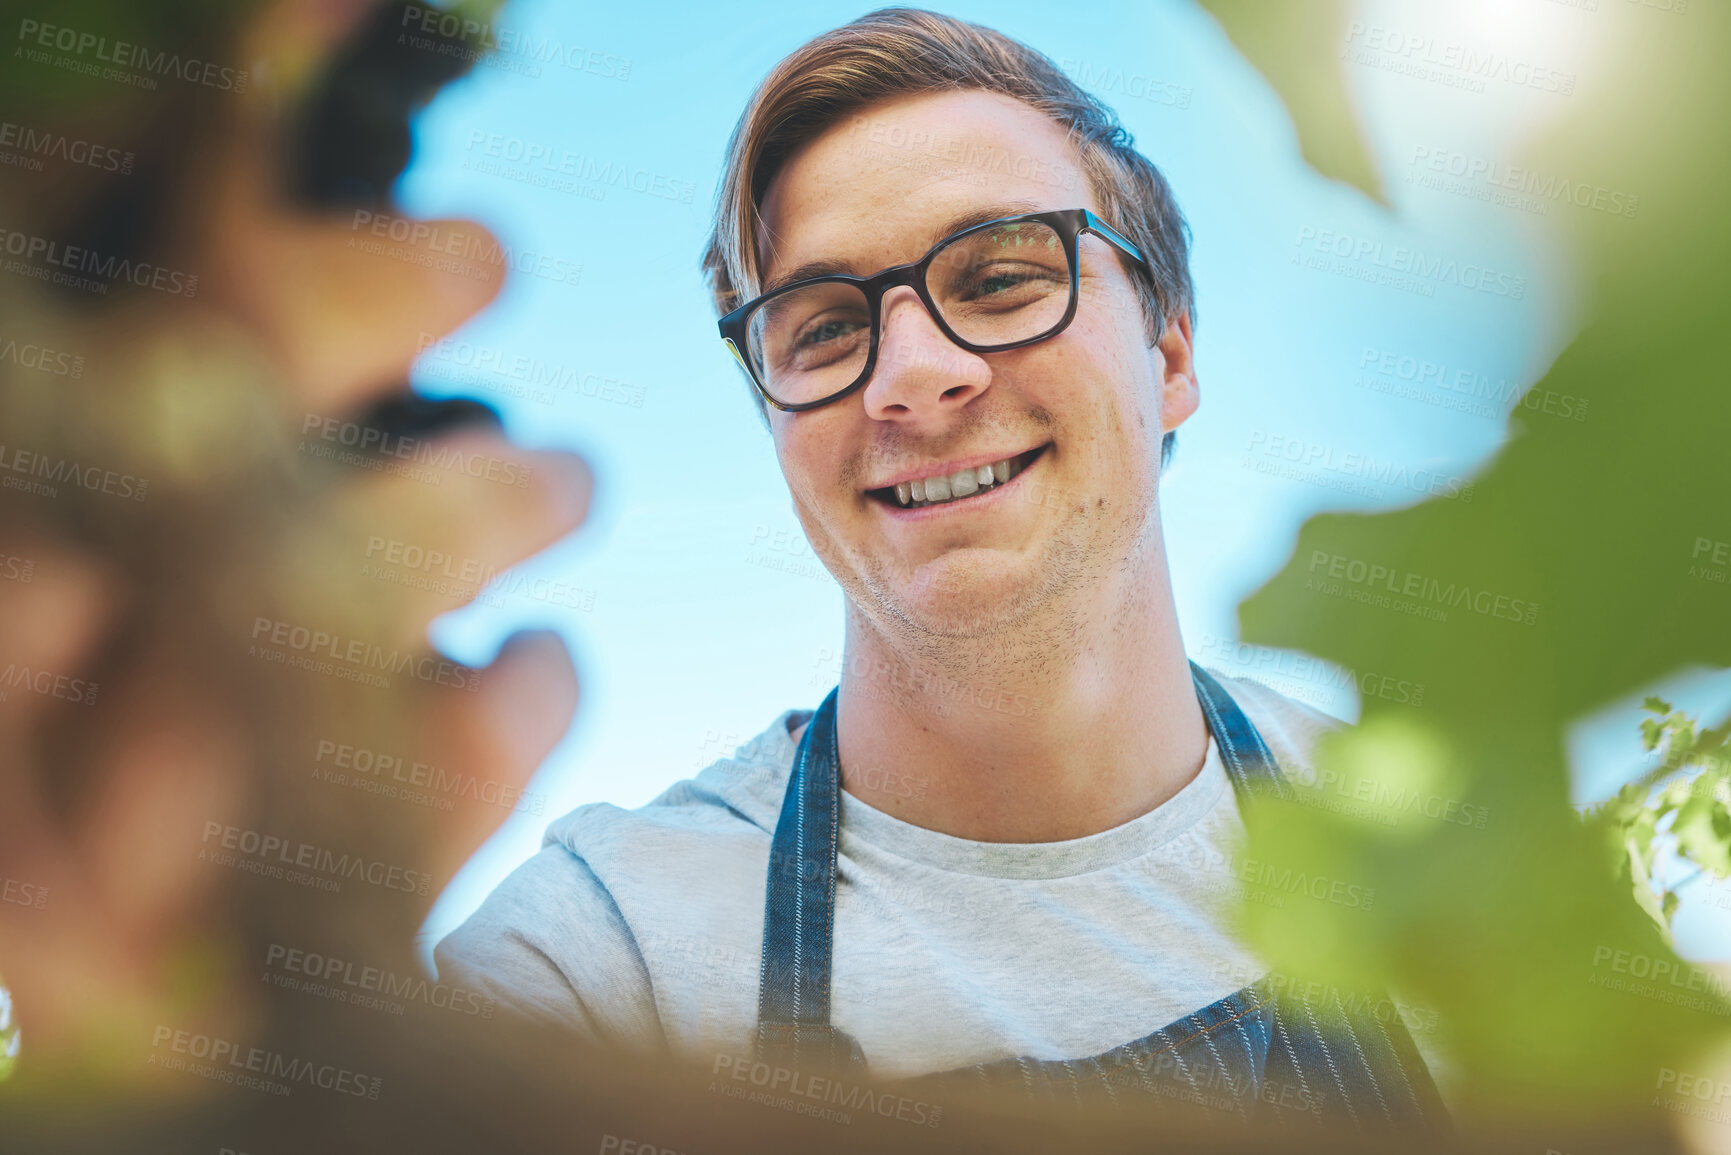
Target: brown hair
<point>900,51</point>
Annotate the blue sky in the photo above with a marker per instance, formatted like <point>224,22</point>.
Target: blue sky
<point>706,615</point>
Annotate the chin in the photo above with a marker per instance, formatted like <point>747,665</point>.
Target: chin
<point>962,597</point>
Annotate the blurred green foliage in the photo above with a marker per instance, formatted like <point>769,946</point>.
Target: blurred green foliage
<point>1285,40</point>
<point>1515,933</point>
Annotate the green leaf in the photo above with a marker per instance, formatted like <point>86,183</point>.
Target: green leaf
<point>1674,795</point>
<point>1641,885</point>
<point>1651,732</point>
<point>1495,927</point>
<point>1703,830</point>
<point>1642,825</point>
<point>1296,44</point>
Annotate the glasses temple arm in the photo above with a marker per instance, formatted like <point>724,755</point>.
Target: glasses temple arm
<point>1095,225</point>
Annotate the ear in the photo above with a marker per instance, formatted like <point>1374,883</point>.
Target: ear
<point>1179,395</point>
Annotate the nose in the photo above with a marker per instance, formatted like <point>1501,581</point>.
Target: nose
<point>921,377</point>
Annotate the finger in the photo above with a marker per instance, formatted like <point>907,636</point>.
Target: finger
<point>173,764</point>
<point>344,304</point>
<point>501,734</point>
<point>56,604</point>
<point>291,42</point>
<point>344,301</point>
<point>400,548</point>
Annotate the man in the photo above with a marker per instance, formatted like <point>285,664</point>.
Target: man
<point>1006,842</point>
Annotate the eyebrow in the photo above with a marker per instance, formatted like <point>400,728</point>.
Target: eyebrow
<point>831,266</point>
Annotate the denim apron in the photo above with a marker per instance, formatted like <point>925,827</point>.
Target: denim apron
<point>1266,1052</point>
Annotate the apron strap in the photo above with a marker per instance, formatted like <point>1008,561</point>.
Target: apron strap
<point>793,989</point>
<point>793,993</point>
<point>1249,764</point>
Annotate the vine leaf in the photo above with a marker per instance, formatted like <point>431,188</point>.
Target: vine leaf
<point>1703,830</point>
<point>1563,586</point>
<point>1297,46</point>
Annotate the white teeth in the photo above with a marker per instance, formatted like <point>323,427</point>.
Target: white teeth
<point>961,483</point>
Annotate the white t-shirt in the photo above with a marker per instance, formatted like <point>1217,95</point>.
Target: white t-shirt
<point>646,926</point>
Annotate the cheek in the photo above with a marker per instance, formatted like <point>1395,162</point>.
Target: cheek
<point>798,453</point>
<point>1109,411</point>
<point>1107,381</point>
<point>812,468</point>
<point>1131,380</point>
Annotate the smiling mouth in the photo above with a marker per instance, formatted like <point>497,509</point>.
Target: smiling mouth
<point>945,489</point>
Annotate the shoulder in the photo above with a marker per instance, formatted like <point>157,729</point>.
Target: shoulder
<point>562,936</point>
<point>549,942</point>
<point>739,795</point>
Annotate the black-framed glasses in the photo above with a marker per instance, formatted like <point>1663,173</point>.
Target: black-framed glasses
<point>991,287</point>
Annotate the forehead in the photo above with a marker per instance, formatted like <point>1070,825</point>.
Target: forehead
<point>878,187</point>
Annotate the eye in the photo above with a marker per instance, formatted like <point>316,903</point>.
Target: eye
<point>829,329</point>
<point>998,282</point>
<point>1006,282</point>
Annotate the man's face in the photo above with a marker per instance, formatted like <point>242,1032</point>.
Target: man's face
<point>1083,409</point>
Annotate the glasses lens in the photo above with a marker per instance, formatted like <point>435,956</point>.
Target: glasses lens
<point>811,342</point>
<point>1002,284</point>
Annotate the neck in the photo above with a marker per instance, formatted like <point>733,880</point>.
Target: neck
<point>1058,727</point>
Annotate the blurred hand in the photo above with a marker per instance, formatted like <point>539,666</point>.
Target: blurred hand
<point>106,804</point>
